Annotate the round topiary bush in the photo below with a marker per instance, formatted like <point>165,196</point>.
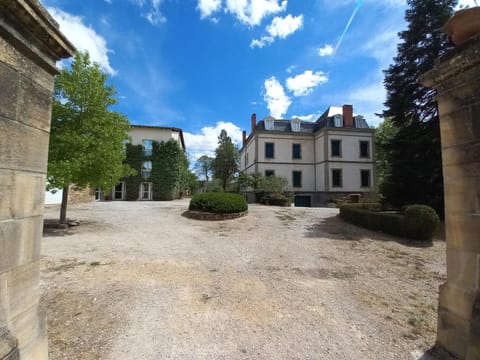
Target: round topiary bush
<point>218,203</point>
<point>420,222</point>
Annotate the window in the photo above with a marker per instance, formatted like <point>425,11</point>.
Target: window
<point>118,191</point>
<point>364,149</point>
<point>360,122</point>
<point>297,178</point>
<point>147,147</point>
<point>337,178</point>
<point>269,150</point>
<point>146,169</point>
<point>246,159</point>
<point>296,151</point>
<point>269,123</point>
<point>146,191</point>
<point>336,147</point>
<point>338,121</point>
<point>365,178</point>
<point>269,172</point>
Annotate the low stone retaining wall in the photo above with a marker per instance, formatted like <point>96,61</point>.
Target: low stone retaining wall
<point>200,215</point>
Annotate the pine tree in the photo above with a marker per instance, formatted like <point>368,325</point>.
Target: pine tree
<point>416,168</point>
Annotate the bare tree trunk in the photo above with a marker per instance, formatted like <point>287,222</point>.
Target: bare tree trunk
<point>63,207</point>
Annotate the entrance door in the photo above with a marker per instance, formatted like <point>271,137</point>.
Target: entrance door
<point>146,191</point>
<point>303,201</point>
<point>118,191</point>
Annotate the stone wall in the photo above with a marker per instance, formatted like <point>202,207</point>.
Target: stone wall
<point>30,43</point>
<point>80,196</point>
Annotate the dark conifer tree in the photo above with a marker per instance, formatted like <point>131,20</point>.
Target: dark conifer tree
<point>416,169</point>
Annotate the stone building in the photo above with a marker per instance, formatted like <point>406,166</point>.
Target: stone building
<point>328,158</point>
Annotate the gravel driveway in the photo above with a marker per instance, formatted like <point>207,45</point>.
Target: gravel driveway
<point>137,280</point>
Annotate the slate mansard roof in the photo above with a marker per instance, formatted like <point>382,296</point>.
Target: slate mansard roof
<point>326,120</point>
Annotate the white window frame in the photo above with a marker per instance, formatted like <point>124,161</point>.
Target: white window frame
<point>338,121</point>
<point>142,190</point>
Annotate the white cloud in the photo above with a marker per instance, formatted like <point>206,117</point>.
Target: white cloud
<point>84,38</point>
<point>208,7</point>
<point>206,141</point>
<point>279,28</point>
<point>260,43</point>
<point>282,27</point>
<point>464,3</point>
<point>252,12</point>
<point>303,84</point>
<point>382,47</point>
<point>290,69</point>
<point>325,50</point>
<point>152,13</point>
<point>277,101</point>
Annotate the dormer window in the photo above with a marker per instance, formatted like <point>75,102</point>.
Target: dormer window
<point>295,124</point>
<point>360,122</point>
<point>338,121</point>
<point>269,123</point>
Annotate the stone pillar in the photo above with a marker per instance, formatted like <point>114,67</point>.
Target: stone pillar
<point>30,44</point>
<point>457,80</point>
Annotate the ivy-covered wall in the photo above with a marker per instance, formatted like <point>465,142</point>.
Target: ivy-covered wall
<point>169,170</point>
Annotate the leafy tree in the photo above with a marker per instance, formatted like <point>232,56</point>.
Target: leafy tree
<point>225,164</point>
<point>86,139</point>
<point>416,175</point>
<point>275,185</point>
<point>203,168</point>
<point>384,135</point>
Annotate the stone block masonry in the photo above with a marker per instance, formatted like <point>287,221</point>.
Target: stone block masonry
<point>457,80</point>
<point>30,44</point>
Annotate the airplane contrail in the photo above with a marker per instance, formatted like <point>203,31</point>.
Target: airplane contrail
<point>359,3</point>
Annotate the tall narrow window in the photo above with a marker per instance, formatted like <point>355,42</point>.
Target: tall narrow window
<point>338,121</point>
<point>296,151</point>
<point>337,180</point>
<point>146,169</point>
<point>336,147</point>
<point>147,147</point>
<point>269,150</point>
<point>365,149</point>
<point>146,191</point>
<point>365,178</point>
<point>297,178</point>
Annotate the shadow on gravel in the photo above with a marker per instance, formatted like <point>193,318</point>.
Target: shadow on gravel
<point>335,228</point>
<point>436,353</point>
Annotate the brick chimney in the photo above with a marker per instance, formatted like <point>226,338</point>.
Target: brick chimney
<point>244,137</point>
<point>254,122</point>
<point>348,116</point>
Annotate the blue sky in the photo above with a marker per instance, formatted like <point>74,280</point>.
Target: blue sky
<point>204,65</point>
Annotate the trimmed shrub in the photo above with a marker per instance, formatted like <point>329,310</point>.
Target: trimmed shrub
<point>218,203</point>
<point>419,224</point>
<point>421,221</point>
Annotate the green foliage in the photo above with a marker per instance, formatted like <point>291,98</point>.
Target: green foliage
<point>203,167</point>
<point>225,164</point>
<point>134,158</point>
<point>86,138</point>
<point>421,221</point>
<point>275,185</point>
<point>415,153</point>
<point>219,203</point>
<point>419,224</point>
<point>170,176</point>
<point>384,135</point>
<point>275,199</point>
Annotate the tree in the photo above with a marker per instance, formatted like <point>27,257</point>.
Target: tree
<point>203,168</point>
<point>416,169</point>
<point>225,164</point>
<point>384,135</point>
<point>86,139</point>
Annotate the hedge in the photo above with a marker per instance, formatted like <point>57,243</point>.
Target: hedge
<point>419,221</point>
<point>218,203</point>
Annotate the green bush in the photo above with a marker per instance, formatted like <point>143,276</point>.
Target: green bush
<point>276,199</point>
<point>418,223</point>
<point>219,203</point>
<point>421,221</point>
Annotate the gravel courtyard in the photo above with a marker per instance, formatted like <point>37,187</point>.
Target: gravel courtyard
<point>137,280</point>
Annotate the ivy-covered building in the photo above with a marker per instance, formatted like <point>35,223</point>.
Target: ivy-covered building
<point>158,156</point>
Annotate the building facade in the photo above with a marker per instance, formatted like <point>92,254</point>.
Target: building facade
<point>322,160</point>
<point>145,136</point>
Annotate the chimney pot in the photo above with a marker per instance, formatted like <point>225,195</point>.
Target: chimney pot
<point>254,122</point>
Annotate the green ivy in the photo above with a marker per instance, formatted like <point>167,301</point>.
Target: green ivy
<point>170,175</point>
